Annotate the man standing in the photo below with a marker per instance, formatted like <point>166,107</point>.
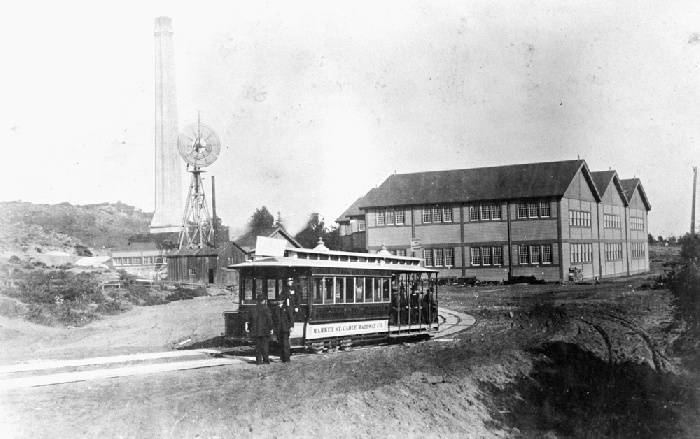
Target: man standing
<point>261,329</point>
<point>288,306</point>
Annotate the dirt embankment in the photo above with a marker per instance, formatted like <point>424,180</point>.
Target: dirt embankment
<point>541,361</point>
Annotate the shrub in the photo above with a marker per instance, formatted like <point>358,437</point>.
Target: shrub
<point>186,293</point>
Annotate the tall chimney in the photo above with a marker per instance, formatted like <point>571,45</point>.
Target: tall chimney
<point>168,166</point>
<point>692,213</point>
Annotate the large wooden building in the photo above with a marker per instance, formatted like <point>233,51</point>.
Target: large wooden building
<point>496,223</point>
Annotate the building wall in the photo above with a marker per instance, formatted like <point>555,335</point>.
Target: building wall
<point>554,231</point>
<point>579,198</point>
<point>144,263</point>
<point>637,209</point>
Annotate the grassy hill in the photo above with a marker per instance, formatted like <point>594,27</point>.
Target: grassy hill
<point>26,226</point>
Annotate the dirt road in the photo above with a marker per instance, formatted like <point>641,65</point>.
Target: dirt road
<point>556,361</point>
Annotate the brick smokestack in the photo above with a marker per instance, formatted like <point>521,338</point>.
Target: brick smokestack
<point>169,193</point>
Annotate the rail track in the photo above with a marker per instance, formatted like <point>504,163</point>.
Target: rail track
<point>51,372</point>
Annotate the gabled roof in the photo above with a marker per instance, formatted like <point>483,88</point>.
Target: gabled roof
<point>531,180</point>
<point>247,241</point>
<point>354,209</point>
<point>630,185</point>
<point>602,181</point>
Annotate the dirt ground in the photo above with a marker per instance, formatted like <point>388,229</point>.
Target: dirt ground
<point>541,361</point>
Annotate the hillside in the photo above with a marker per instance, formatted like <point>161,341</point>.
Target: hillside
<point>26,226</point>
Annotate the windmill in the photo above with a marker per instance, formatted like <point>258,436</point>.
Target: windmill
<point>199,147</point>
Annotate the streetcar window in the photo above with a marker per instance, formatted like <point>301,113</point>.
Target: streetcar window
<point>318,293</point>
<point>301,286</point>
<point>339,288</point>
<point>269,285</point>
<point>368,289</point>
<point>378,289</point>
<point>328,282</point>
<point>359,289</point>
<point>349,290</point>
<point>385,289</point>
<point>259,288</point>
<point>247,289</point>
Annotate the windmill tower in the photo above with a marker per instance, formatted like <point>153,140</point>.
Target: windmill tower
<point>199,147</point>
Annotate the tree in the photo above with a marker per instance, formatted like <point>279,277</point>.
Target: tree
<point>650,238</point>
<point>262,219</point>
<point>308,236</point>
<point>660,239</point>
<point>316,228</point>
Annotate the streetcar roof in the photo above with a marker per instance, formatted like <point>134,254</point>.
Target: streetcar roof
<point>287,262</point>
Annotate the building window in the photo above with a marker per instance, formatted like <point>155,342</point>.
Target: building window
<point>545,209</point>
<point>438,257</point>
<point>613,252</point>
<point>534,254</point>
<point>547,254</point>
<point>636,223</point>
<point>437,214</point>
<point>486,255</point>
<point>399,216</point>
<point>611,221</point>
<point>361,225</point>
<point>522,210</point>
<point>581,253</point>
<point>495,211</point>
<point>449,257</point>
<point>532,210</point>
<point>522,254</point>
<point>389,217</point>
<point>428,257</point>
<point>497,255</point>
<point>485,212</point>
<point>476,255</point>
<point>401,252</point>
<point>427,215</point>
<point>380,217</point>
<point>639,250</point>
<point>447,214</point>
<point>473,213</point>
<point>578,218</point>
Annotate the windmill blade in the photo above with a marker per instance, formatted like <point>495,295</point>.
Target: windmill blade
<point>199,145</point>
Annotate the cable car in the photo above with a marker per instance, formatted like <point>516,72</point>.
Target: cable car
<point>340,298</point>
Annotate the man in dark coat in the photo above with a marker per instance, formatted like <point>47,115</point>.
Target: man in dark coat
<point>261,329</point>
<point>288,307</point>
<point>429,307</point>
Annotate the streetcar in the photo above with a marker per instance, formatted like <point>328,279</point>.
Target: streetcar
<point>340,298</point>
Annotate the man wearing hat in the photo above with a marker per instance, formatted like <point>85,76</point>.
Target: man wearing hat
<point>288,306</point>
<point>261,329</point>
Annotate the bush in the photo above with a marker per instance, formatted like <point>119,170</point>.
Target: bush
<point>186,293</point>
<point>110,307</point>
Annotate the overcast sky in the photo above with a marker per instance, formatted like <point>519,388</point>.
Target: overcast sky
<point>317,102</point>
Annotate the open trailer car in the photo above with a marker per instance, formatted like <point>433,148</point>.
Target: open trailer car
<point>341,297</point>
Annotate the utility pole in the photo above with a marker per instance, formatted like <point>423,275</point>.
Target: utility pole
<point>692,214</point>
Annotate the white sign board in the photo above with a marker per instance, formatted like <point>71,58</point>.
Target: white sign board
<point>346,328</point>
<point>265,246</point>
<point>415,244</point>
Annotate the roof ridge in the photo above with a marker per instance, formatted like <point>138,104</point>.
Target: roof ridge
<point>487,167</point>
